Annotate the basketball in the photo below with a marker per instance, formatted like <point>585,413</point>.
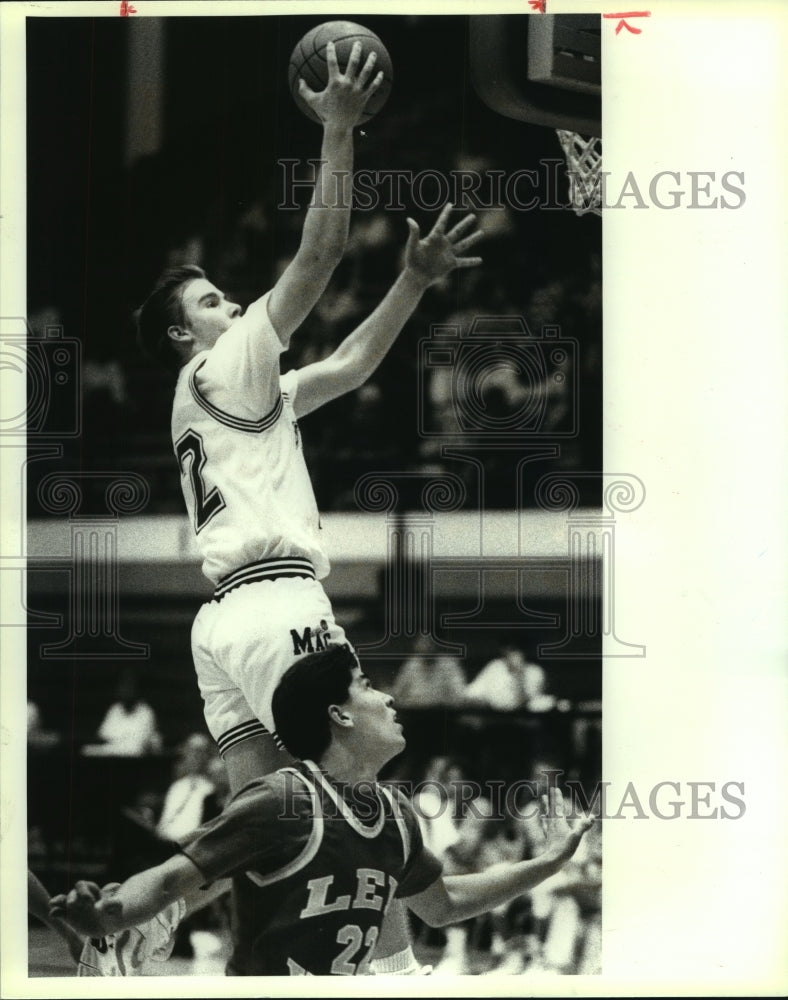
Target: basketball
<point>309,61</point>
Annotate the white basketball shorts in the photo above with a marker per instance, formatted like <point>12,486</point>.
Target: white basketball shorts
<point>262,617</point>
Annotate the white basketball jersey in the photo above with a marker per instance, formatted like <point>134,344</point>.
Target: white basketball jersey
<point>236,438</point>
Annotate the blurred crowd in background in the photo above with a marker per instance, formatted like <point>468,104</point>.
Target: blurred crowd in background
<point>480,751</point>
<point>106,223</point>
<point>117,757</point>
<point>408,412</point>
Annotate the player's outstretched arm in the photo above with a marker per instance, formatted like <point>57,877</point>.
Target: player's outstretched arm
<point>340,107</point>
<point>457,897</point>
<point>95,912</point>
<point>426,261</point>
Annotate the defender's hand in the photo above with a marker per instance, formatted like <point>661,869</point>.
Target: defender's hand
<point>561,839</point>
<point>85,908</point>
<point>345,97</point>
<point>439,252</point>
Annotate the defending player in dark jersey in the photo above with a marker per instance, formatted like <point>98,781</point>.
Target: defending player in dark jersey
<point>311,899</point>
<point>315,870</point>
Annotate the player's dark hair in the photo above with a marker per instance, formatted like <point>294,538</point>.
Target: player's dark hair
<point>162,309</point>
<point>301,699</point>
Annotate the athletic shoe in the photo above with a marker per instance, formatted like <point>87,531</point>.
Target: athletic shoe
<point>125,953</point>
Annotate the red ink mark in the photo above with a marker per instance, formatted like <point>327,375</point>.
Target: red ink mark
<point>540,6</point>
<point>622,20</point>
<point>126,9</point>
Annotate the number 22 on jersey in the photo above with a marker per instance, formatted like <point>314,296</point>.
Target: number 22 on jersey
<point>353,937</point>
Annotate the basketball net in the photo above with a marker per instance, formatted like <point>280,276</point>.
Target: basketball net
<point>584,162</point>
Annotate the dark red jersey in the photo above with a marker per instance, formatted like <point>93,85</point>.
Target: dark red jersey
<point>315,866</point>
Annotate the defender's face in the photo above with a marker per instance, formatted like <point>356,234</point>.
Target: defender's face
<point>207,313</point>
<point>374,717</point>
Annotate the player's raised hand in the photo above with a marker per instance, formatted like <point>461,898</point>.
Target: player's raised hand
<point>440,252</point>
<point>346,94</point>
<point>85,908</point>
<point>561,839</point>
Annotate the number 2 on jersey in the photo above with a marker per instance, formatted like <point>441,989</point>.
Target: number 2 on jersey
<point>206,502</point>
<point>352,936</point>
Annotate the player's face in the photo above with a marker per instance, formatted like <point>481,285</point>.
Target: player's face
<point>207,313</point>
<point>375,720</point>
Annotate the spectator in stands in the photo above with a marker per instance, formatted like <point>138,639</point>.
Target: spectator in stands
<point>512,942</point>
<point>39,738</point>
<point>570,909</point>
<point>439,812</point>
<point>566,908</point>
<point>217,773</point>
<point>129,728</point>
<point>509,682</point>
<point>191,798</point>
<point>436,804</point>
<point>428,679</point>
<point>461,859</point>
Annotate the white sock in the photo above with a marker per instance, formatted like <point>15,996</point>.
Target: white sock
<point>403,963</point>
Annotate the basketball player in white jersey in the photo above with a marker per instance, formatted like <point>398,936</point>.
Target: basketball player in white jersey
<point>244,479</point>
<point>248,492</point>
<point>237,441</point>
